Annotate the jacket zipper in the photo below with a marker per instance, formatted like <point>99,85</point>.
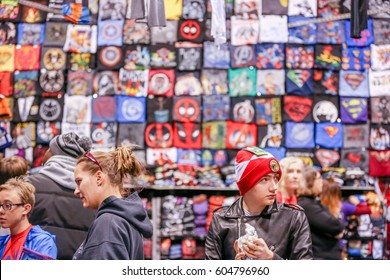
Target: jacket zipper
<point>239,227</point>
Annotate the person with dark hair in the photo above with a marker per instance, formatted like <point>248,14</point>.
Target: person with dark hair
<point>326,229</point>
<point>121,221</point>
<point>11,167</point>
<point>255,226</point>
<point>57,210</point>
<point>16,202</point>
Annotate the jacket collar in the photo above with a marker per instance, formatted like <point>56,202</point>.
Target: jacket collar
<point>236,210</point>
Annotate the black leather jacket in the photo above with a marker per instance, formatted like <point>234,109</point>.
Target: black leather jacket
<point>283,227</point>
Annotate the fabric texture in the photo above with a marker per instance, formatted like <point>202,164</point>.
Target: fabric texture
<point>118,230</point>
<point>359,17</point>
<point>5,111</point>
<point>76,12</point>
<point>5,139</point>
<point>60,169</point>
<point>70,144</point>
<point>251,165</point>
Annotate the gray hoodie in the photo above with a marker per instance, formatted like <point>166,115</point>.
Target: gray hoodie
<point>61,170</point>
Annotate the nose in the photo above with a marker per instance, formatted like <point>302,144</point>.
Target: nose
<point>274,185</point>
<point>76,191</point>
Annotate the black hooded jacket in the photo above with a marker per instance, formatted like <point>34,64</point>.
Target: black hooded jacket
<point>57,210</point>
<point>324,228</point>
<point>118,230</point>
<point>283,227</point>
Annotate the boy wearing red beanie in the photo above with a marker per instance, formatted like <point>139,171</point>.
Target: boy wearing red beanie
<point>255,226</point>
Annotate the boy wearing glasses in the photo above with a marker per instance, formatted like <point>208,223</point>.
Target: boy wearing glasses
<point>16,202</point>
<point>57,209</point>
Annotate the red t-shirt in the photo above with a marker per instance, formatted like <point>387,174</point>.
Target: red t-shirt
<point>288,200</point>
<point>15,244</point>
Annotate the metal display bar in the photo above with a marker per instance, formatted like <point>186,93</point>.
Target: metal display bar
<point>332,18</point>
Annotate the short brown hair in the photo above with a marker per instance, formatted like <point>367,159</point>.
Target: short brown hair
<point>309,176</point>
<point>24,189</point>
<point>12,167</point>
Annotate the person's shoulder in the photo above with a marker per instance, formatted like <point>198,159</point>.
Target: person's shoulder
<point>110,218</point>
<point>3,240</point>
<point>37,233</point>
<point>38,180</point>
<point>293,206</point>
<point>221,210</point>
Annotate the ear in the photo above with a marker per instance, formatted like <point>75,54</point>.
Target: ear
<point>99,178</point>
<point>27,209</point>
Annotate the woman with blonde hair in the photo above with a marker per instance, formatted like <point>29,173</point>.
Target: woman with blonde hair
<point>325,228</point>
<point>121,221</point>
<point>291,179</point>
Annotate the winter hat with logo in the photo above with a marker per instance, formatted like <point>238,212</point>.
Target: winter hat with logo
<point>252,164</point>
<point>70,144</point>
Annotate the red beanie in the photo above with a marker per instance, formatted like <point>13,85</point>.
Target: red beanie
<point>252,164</point>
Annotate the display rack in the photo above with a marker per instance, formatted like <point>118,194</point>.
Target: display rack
<point>156,193</point>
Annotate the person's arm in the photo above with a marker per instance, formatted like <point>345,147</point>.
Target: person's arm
<point>347,208</point>
<point>213,241</point>
<point>45,245</point>
<point>107,240</point>
<point>105,251</point>
<point>300,237</point>
<point>358,208</point>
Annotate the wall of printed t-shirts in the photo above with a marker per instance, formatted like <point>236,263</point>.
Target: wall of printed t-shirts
<point>309,91</point>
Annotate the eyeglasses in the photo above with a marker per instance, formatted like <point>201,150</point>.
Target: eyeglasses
<point>8,206</point>
<point>90,156</point>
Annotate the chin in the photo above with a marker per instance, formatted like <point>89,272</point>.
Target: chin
<point>4,225</point>
<point>269,202</point>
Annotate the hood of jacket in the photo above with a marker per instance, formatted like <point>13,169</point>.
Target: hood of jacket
<point>131,209</point>
<point>60,169</point>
